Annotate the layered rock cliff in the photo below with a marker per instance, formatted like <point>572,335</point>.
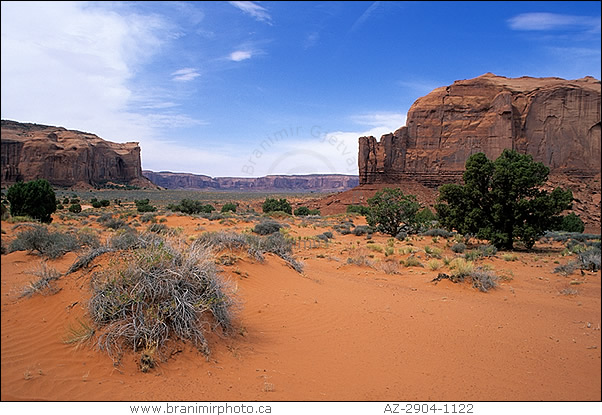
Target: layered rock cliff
<point>557,121</point>
<point>66,157</point>
<point>278,183</point>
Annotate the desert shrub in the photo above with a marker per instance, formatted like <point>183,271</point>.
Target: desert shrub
<point>566,269</point>
<point>487,250</point>
<point>509,257</point>
<point>433,252</point>
<point>156,292</point>
<point>144,206</point>
<point>88,237</point>
<point>66,201</point>
<point>96,205</point>
<point>45,282</point>
<point>267,228</point>
<point>458,248</point>
<point>390,267</point>
<point>229,207</point>
<point>438,232</point>
<point>375,247</point>
<point>412,261</point>
<point>148,217</point>
<point>276,205</point>
<point>571,223</point>
<point>390,210</point>
<point>75,208</point>
<point>115,223</point>
<point>359,209</point>
<point>50,244</point>
<point>434,264</point>
<point>35,199</point>
<point>104,202</point>
<point>158,228</point>
<point>256,246</point>
<point>125,239</point>
<point>590,259</point>
<point>302,211</point>
<point>326,236</point>
<point>483,279</point>
<point>191,207</point>
<point>461,268</point>
<point>401,235</point>
<point>361,230</point>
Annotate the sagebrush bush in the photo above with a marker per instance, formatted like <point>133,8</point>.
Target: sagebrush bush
<point>590,259</point>
<point>156,292</point>
<point>45,282</point>
<point>266,228</point>
<point>50,244</point>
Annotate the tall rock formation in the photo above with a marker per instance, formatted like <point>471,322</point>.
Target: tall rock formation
<point>557,121</point>
<point>66,157</point>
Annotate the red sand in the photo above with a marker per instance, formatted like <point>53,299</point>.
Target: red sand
<point>337,332</point>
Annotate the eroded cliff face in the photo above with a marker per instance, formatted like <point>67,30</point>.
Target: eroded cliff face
<point>300,183</point>
<point>66,157</point>
<point>557,121</point>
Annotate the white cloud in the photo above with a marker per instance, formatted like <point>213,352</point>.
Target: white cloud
<point>185,74</point>
<point>552,21</point>
<point>240,55</point>
<point>254,10</point>
<point>390,121</point>
<point>71,64</point>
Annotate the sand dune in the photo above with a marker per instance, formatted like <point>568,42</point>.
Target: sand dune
<point>336,332</point>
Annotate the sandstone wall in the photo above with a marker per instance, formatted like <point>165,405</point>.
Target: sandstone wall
<point>66,157</point>
<point>555,120</point>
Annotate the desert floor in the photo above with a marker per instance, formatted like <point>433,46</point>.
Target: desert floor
<point>338,331</point>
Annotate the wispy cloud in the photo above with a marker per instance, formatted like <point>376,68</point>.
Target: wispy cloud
<point>360,21</point>
<point>390,121</point>
<point>552,21</point>
<point>185,74</point>
<point>240,55</point>
<point>254,10</point>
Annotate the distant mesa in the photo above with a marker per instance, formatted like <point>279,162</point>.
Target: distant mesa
<point>271,183</point>
<point>67,158</point>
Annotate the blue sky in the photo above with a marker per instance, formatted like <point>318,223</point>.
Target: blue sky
<point>254,88</point>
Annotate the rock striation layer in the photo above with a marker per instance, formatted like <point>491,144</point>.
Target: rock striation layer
<point>557,121</point>
<point>277,183</point>
<point>66,157</point>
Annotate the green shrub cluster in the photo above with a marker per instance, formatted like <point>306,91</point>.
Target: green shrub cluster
<point>191,207</point>
<point>276,205</point>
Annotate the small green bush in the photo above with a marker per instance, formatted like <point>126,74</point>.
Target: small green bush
<point>144,206</point>
<point>229,207</point>
<point>458,248</point>
<point>267,228</point>
<point>276,205</point>
<point>75,208</point>
<point>359,209</point>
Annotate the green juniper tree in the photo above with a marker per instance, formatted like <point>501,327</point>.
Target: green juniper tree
<point>35,199</point>
<point>502,201</point>
<point>390,210</point>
